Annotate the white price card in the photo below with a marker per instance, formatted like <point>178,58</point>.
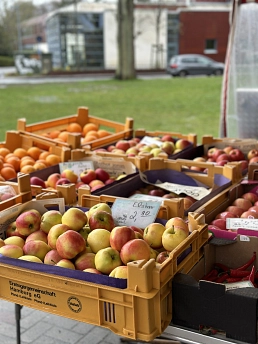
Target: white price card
<point>147,140</point>
<point>76,166</point>
<point>236,223</point>
<point>241,284</point>
<point>139,213</point>
<point>197,192</point>
<point>144,197</point>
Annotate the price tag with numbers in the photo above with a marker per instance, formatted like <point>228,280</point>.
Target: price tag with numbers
<point>236,223</point>
<point>76,166</point>
<point>197,192</point>
<point>139,213</point>
<point>149,140</point>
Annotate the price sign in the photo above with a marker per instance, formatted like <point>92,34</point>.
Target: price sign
<point>143,197</point>
<point>236,223</point>
<point>197,192</point>
<point>139,213</point>
<point>149,140</point>
<point>76,166</point>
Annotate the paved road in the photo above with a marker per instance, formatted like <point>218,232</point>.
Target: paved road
<point>6,77</point>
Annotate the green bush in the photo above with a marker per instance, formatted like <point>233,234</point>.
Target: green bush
<point>6,61</point>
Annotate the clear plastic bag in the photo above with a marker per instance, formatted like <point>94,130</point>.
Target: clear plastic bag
<point>6,192</point>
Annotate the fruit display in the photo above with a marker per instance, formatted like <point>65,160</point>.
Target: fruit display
<point>89,240</point>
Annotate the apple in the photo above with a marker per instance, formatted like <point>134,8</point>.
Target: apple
<point>211,152</point>
<point>110,180</point>
<point>99,206</point>
<point>6,196</point>
<point>157,192</point>
<point>253,160</point>
<point>54,233</point>
<point>252,153</point>
<point>250,196</point>
<point>52,179</point>
<point>12,230</point>
<point>30,258</point>
<point>101,174</point>
<point>101,219</point>
<point>132,143</point>
<point>69,244</point>
<point>254,208</point>
<point>168,147</point>
<point>13,240</point>
<point>153,234</point>
<point>123,145</point>
<point>222,162</point>
<point>110,148</point>
<point>220,223</point>
<point>38,235</point>
<point>132,151</point>
<point>93,271</point>
<point>240,202</point>
<point>75,218</point>
<point>96,184</point>
<point>135,249</point>
<point>156,151</point>
<point>98,239</point>
<point>12,251</point>
<point>182,144</point>
<point>249,215</point>
<point>177,222</point>
<point>37,181</point>
<point>173,236</point>
<point>84,261</point>
<point>85,232</point>
<point>244,164</point>
<point>167,137</point>
<point>70,175</point>
<point>107,259</point>
<point>235,210</point>
<point>217,153</point>
<point>162,256</point>
<point>65,263</point>
<point>236,154</point>
<point>49,219</point>
<point>119,272</point>
<point>228,149</point>
<point>62,181</point>
<point>52,257</point>
<point>87,176</point>
<point>138,232</point>
<point>28,222</point>
<point>213,227</point>
<point>188,203</point>
<point>223,157</point>
<point>225,215</point>
<point>119,235</point>
<point>36,248</point>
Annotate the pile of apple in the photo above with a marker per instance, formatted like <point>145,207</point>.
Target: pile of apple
<point>220,157</point>
<point>89,241</point>
<point>165,146</point>
<point>245,206</point>
<point>95,179</point>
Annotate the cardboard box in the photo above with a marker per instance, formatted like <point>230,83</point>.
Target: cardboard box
<point>117,130</point>
<point>199,303</point>
<point>137,308</point>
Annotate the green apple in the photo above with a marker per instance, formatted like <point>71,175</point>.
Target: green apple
<point>31,258</point>
<point>153,234</point>
<point>99,206</point>
<point>65,263</point>
<point>49,219</point>
<point>12,251</point>
<point>119,272</point>
<point>14,240</point>
<point>107,259</point>
<point>172,237</point>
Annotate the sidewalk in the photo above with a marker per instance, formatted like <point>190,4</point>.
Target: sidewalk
<point>44,328</point>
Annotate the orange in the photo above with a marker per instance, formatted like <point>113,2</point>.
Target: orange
<point>63,135</point>
<point>88,138</point>
<point>2,178</point>
<point>5,164</point>
<point>54,134</point>
<point>93,133</point>
<point>103,133</point>
<point>34,152</point>
<point>9,155</point>
<point>15,161</point>
<point>39,165</point>
<point>26,162</point>
<point>43,155</point>
<point>89,126</point>
<point>20,152</point>
<point>4,151</point>
<point>47,135</point>
<point>28,169</point>
<point>74,128</point>
<point>53,159</point>
<point>8,173</point>
<point>1,164</point>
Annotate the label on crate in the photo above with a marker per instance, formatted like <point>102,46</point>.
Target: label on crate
<point>197,192</point>
<point>236,223</point>
<point>139,213</point>
<point>150,140</point>
<point>241,284</point>
<point>77,166</point>
<point>144,197</point>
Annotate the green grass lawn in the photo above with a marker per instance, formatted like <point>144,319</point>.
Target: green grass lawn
<point>189,105</point>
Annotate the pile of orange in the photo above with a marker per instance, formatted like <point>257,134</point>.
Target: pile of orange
<point>24,160</point>
<point>92,132</point>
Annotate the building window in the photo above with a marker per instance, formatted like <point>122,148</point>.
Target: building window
<point>210,46</point>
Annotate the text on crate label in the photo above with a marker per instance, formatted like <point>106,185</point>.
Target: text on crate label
<point>197,192</point>
<point>134,213</point>
<point>236,223</point>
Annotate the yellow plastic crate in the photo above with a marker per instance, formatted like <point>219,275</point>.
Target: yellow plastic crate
<point>141,311</point>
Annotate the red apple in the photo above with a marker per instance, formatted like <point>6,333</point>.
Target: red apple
<point>167,137</point>
<point>157,192</point>
<point>119,235</point>
<point>236,154</point>
<point>245,204</point>
<point>244,164</point>
<point>135,249</point>
<point>101,219</point>
<point>87,176</point>
<point>138,232</point>
<point>253,160</point>
<point>225,215</point>
<point>62,181</point>
<point>223,157</point>
<point>123,145</point>
<point>217,153</point>
<point>84,261</point>
<point>220,223</point>
<point>162,256</point>
<point>252,153</point>
<point>102,174</point>
<point>235,210</point>
<point>37,181</point>
<point>254,208</point>
<point>228,149</point>
<point>222,162</point>
<point>70,244</point>
<point>28,222</point>
<point>252,197</point>
<point>249,215</point>
<point>213,227</point>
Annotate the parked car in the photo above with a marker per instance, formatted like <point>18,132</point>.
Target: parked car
<point>194,64</point>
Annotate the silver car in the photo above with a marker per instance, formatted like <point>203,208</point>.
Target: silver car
<point>194,64</point>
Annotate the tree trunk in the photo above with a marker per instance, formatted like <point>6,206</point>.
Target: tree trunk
<point>125,40</point>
